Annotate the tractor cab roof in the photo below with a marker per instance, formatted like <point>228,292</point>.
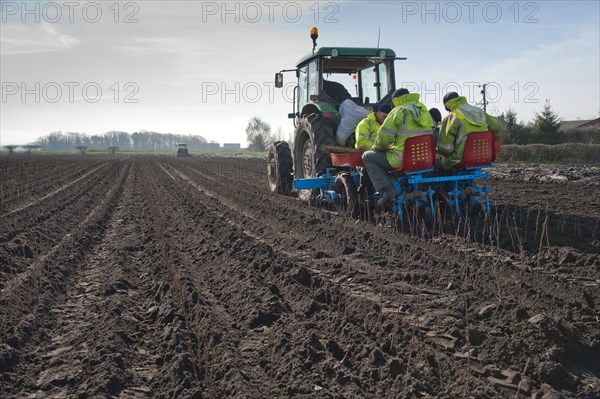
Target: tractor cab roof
<point>344,54</point>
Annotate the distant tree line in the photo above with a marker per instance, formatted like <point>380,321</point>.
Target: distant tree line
<point>544,129</point>
<point>139,141</point>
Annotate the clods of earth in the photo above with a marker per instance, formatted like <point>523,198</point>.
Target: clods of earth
<point>158,277</point>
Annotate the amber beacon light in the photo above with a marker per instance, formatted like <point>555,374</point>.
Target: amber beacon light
<point>314,35</point>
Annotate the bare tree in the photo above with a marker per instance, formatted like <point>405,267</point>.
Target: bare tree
<point>11,148</point>
<point>258,134</point>
<point>280,135</point>
<point>31,147</point>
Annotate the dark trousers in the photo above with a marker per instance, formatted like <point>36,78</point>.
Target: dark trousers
<point>377,167</point>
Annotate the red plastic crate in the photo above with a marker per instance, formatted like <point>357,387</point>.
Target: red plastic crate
<point>419,154</point>
<point>480,150</point>
<point>348,159</point>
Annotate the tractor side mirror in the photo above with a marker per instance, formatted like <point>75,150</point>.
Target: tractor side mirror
<point>279,80</point>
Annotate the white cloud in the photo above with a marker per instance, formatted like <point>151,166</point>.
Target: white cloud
<point>30,38</point>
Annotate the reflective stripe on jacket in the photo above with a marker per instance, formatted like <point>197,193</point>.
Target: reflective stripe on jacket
<point>366,132</point>
<point>409,118</point>
<point>462,120</point>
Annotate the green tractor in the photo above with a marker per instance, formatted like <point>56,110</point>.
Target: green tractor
<point>182,150</point>
<point>325,79</point>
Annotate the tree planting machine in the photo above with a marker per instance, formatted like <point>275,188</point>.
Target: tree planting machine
<point>320,170</point>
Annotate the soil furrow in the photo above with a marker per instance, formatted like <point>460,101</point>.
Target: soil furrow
<point>103,301</point>
<point>496,283</point>
<point>221,339</point>
<point>51,234</point>
<point>191,279</point>
<point>51,194</point>
<point>356,293</point>
<point>24,301</point>
<point>34,177</point>
<point>27,240</point>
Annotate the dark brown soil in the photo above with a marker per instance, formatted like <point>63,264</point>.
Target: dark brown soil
<point>164,277</point>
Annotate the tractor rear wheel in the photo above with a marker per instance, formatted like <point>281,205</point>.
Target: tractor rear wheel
<point>345,187</point>
<point>279,168</point>
<point>309,159</point>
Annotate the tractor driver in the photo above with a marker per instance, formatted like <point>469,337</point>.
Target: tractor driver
<point>366,131</point>
<point>462,120</point>
<point>409,118</point>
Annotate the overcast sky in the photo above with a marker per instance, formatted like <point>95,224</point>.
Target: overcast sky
<point>206,68</point>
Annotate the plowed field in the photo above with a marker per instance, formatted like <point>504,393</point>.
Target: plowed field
<point>150,277</point>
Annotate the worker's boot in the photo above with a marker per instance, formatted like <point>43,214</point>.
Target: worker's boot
<point>387,196</point>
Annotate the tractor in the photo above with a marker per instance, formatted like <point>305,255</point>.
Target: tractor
<point>182,150</point>
<point>322,80</point>
<point>323,170</point>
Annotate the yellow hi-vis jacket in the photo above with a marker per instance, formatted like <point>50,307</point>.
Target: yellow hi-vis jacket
<point>366,132</point>
<point>409,118</point>
<point>456,126</point>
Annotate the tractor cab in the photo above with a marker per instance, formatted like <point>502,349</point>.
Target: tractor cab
<point>332,75</point>
<point>335,74</point>
<point>182,150</point>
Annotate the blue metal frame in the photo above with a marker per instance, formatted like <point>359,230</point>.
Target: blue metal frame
<point>455,186</point>
<point>325,183</point>
<point>311,183</point>
<point>415,188</point>
<point>410,192</point>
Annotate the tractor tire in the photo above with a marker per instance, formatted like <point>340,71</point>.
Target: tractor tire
<point>279,168</point>
<point>309,159</point>
<point>346,188</point>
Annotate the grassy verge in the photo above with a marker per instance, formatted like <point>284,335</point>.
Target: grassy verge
<point>570,153</point>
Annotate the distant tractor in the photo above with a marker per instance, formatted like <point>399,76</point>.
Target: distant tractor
<point>82,149</point>
<point>182,150</point>
<point>325,170</point>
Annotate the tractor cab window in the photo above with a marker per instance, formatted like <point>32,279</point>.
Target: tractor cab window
<point>313,78</point>
<point>302,86</point>
<point>364,80</point>
<point>308,83</point>
<point>338,87</point>
<point>374,83</point>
